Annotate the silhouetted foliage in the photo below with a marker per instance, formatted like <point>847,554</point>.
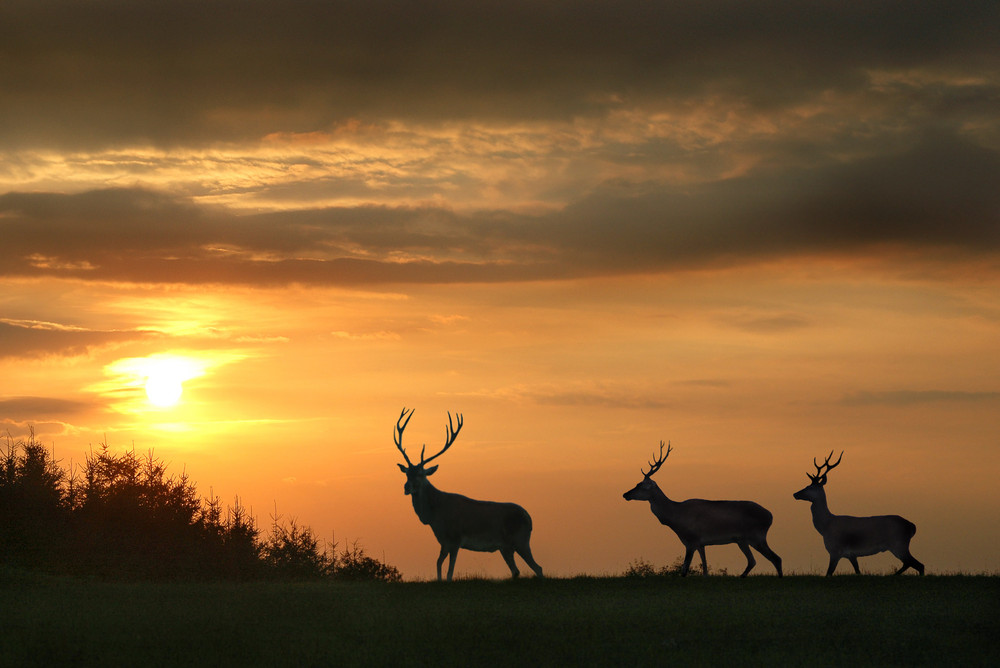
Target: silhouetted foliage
<point>353,564</point>
<point>640,568</point>
<point>33,510</point>
<point>292,552</point>
<point>123,516</point>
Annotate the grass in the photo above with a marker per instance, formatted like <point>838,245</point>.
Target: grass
<point>801,620</point>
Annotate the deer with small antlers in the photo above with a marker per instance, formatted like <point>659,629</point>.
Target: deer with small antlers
<point>698,522</point>
<point>458,521</point>
<point>852,537</point>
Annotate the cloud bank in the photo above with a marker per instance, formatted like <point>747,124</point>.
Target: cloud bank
<point>83,74</point>
<point>906,200</point>
<point>342,143</point>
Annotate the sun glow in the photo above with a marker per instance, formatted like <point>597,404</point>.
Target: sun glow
<point>165,377</point>
<point>162,377</point>
<point>164,387</point>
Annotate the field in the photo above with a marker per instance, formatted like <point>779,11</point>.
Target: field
<point>800,620</point>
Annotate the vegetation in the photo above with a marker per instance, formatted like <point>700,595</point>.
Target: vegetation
<point>122,516</point>
<point>757,621</point>
<point>640,568</point>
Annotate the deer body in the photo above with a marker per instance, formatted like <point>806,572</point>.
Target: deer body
<point>698,522</point>
<point>459,522</point>
<point>848,537</point>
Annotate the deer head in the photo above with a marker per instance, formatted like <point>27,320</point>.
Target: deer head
<point>416,474</point>
<point>644,490</point>
<point>814,492</point>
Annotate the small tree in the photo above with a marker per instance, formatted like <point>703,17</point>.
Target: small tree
<point>354,565</point>
<point>292,552</point>
<point>33,509</point>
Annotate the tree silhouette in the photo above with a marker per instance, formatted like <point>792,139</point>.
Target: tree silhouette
<point>33,521</point>
<point>124,516</point>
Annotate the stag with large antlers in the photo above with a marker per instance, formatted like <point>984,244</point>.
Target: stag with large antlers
<point>458,521</point>
<point>852,537</point>
<point>698,522</point>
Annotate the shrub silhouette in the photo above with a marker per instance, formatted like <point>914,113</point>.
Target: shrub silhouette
<point>640,568</point>
<point>123,516</point>
<point>353,564</point>
<point>292,552</point>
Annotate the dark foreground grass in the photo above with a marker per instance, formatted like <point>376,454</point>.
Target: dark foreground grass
<point>847,620</point>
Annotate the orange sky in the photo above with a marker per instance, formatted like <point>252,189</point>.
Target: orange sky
<point>609,229</point>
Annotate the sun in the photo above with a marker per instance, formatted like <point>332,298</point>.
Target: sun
<point>165,378</point>
<point>164,389</point>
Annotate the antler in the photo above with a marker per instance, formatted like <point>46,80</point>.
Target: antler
<point>449,438</point>
<point>398,436</point>
<point>655,466</point>
<point>452,432</point>
<point>820,477</point>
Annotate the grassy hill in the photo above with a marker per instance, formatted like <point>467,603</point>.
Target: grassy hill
<point>799,620</point>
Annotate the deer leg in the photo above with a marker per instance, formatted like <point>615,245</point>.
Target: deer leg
<point>508,556</point>
<point>444,552</point>
<point>751,562</point>
<point>688,555</point>
<point>833,564</point>
<point>525,553</point>
<point>854,562</point>
<point>908,561</point>
<point>453,555</point>
<point>769,554</point>
<point>704,562</point>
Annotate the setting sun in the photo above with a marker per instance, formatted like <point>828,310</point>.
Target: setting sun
<point>164,388</point>
<point>160,376</point>
<point>164,377</point>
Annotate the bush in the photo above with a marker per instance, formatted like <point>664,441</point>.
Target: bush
<point>293,552</point>
<point>353,564</point>
<point>640,568</point>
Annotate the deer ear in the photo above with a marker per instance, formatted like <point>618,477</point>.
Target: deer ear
<point>402,468</point>
<point>430,470</point>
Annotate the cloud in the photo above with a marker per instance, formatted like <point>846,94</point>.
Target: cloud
<point>39,409</point>
<point>915,397</point>
<point>108,72</point>
<point>938,194</point>
<point>24,338</point>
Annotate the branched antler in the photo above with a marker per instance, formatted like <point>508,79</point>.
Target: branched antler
<point>820,477</point>
<point>655,466</point>
<point>398,436</point>
<point>451,433</point>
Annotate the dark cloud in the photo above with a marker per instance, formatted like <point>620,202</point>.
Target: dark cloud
<point>109,72</point>
<point>939,194</point>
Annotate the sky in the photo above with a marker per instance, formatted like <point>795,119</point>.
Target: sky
<point>761,231</point>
